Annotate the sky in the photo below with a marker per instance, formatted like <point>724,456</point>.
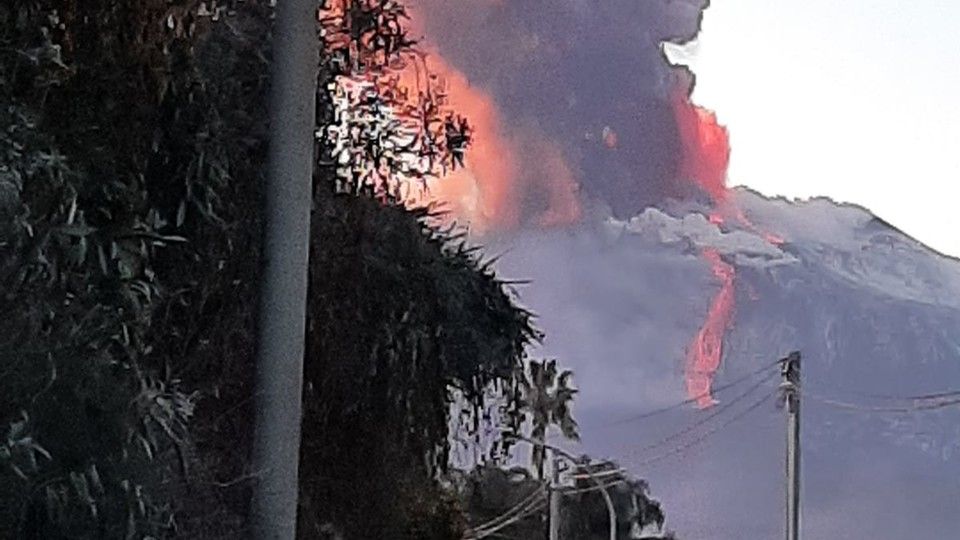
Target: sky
<point>854,100</point>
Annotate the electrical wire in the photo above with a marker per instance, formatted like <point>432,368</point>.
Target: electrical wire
<point>576,491</point>
<point>523,508</point>
<point>886,397</point>
<point>717,411</point>
<point>888,409</point>
<point>689,444</point>
<point>695,399</point>
<point>537,507</point>
<point>601,474</point>
<point>525,504</point>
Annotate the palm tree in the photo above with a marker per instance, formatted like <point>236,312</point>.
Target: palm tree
<point>546,402</point>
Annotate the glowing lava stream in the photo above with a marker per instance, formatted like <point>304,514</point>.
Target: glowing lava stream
<point>705,158</point>
<point>706,154</point>
<point>706,349</point>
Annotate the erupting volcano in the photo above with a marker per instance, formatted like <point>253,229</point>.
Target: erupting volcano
<point>704,161</point>
<point>610,203</point>
<point>551,115</point>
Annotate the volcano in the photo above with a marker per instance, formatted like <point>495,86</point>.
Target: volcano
<point>875,313</point>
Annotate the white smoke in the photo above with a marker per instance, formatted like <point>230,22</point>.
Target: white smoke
<point>744,248</point>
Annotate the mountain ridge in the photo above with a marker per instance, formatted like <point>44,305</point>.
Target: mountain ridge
<point>873,310</point>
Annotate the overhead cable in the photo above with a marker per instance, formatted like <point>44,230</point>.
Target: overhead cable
<point>522,508</point>
<point>696,398</point>
<point>921,406</point>
<point>679,449</point>
<point>717,411</point>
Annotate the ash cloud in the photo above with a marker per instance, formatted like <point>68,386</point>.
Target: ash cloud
<point>590,77</point>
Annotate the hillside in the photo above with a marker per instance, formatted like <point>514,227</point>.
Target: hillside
<point>874,312</point>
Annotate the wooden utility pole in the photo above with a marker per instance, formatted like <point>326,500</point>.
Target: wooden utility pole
<point>555,500</point>
<point>790,369</point>
<point>283,294</point>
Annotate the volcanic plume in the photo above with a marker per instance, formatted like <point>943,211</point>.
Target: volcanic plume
<point>620,123</point>
<point>495,190</point>
<point>583,87</point>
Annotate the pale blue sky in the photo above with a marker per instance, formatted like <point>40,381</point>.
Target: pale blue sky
<point>855,99</point>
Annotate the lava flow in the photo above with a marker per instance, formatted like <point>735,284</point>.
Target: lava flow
<point>706,154</point>
<point>704,353</point>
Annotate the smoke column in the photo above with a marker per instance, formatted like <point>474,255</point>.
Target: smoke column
<point>495,189</point>
<point>582,89</point>
<point>582,109</point>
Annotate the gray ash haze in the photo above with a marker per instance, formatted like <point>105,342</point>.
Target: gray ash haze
<point>621,293</point>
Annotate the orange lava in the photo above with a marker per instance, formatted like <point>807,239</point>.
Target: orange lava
<point>706,147</point>
<point>706,154</point>
<point>770,237</point>
<point>706,350</point>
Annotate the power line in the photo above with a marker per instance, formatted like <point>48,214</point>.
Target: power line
<point>576,491</point>
<point>679,449</point>
<point>694,399</point>
<point>601,474</point>
<point>718,410</point>
<point>888,409</point>
<point>537,506</point>
<point>890,397</point>
<point>528,505</point>
<point>575,462</point>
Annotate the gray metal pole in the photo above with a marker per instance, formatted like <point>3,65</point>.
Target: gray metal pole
<point>791,389</point>
<point>282,316</point>
<point>555,501</point>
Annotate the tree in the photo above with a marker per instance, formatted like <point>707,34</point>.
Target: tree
<point>131,163</point>
<point>403,315</point>
<point>488,493</point>
<point>584,511</point>
<point>546,401</point>
<point>94,417</point>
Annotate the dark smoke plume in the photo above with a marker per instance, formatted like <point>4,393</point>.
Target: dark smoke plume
<point>588,76</point>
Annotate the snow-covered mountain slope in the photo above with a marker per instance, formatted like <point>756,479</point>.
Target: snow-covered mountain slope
<point>873,311</point>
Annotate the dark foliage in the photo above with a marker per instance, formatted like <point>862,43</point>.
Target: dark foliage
<point>546,401</point>
<point>586,514</point>
<point>386,124</point>
<point>490,493</point>
<point>120,154</point>
<point>130,172</point>
<point>400,314</point>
